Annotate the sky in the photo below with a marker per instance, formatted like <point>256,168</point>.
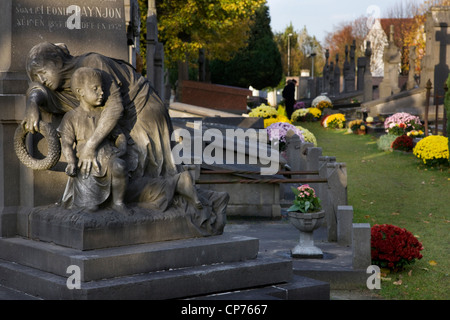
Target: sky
<point>322,16</point>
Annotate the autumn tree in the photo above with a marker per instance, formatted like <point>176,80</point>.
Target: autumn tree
<point>287,41</point>
<point>258,64</point>
<point>307,45</point>
<point>414,35</point>
<point>301,45</point>
<point>219,27</point>
<point>343,35</point>
<point>408,18</point>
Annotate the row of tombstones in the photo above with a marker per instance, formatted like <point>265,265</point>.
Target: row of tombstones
<point>353,73</point>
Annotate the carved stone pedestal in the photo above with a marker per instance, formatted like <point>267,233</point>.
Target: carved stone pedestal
<point>163,270</point>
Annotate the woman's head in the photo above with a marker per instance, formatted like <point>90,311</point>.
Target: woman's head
<point>45,62</point>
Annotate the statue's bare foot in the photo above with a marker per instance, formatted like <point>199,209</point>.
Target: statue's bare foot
<point>186,187</point>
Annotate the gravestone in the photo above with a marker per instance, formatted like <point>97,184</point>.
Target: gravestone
<point>337,76</point>
<point>98,26</point>
<point>364,73</point>
<point>352,73</point>
<point>326,73</point>
<point>411,84</point>
<point>349,68</point>
<point>368,81</point>
<point>435,63</point>
<point>361,62</point>
<point>331,79</point>
<point>346,70</point>
<point>392,58</point>
<point>155,54</point>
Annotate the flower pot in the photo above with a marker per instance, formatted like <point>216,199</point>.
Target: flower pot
<point>360,132</point>
<point>306,223</point>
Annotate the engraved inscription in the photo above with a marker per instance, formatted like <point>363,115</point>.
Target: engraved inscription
<point>55,17</point>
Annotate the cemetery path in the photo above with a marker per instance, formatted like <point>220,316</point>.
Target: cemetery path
<point>277,237</point>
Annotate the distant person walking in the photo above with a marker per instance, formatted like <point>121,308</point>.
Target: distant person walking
<point>289,97</point>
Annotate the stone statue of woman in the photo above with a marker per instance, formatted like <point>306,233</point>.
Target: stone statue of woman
<point>130,100</point>
<point>131,103</point>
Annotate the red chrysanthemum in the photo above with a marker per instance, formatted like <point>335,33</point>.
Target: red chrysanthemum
<point>394,247</point>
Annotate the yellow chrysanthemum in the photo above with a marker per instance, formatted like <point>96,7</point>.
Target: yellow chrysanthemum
<point>324,104</point>
<point>336,120</point>
<point>263,111</point>
<point>308,135</point>
<point>316,112</point>
<point>279,118</point>
<point>432,149</point>
<point>298,114</point>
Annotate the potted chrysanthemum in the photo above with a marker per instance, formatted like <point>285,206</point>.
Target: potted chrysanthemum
<point>393,247</point>
<point>277,134</point>
<point>306,214</point>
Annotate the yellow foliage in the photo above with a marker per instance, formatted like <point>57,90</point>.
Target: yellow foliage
<point>220,27</point>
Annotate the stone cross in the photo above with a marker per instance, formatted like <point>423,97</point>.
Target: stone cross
<point>361,69</point>
<point>331,77</point>
<point>392,59</point>
<point>349,68</point>
<point>337,76</point>
<point>346,69</point>
<point>442,68</point>
<point>368,82</point>
<point>155,51</point>
<point>326,73</point>
<point>412,68</point>
<point>435,63</point>
<point>352,65</point>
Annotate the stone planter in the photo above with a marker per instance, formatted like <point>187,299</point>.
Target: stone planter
<point>306,223</point>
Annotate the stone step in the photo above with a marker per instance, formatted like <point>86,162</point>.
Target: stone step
<point>126,260</point>
<point>299,288</point>
<point>171,284</point>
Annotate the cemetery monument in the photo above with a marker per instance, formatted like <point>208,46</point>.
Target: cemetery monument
<point>118,104</point>
<point>88,180</point>
<point>87,175</point>
<point>392,58</point>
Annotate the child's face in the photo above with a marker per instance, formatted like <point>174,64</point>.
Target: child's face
<point>93,93</point>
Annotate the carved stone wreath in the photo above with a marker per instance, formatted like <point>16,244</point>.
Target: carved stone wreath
<point>54,147</point>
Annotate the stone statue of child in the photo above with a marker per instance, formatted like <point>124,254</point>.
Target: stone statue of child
<point>154,181</point>
<point>92,184</point>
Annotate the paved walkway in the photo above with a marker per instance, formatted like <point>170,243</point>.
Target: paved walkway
<point>277,238</point>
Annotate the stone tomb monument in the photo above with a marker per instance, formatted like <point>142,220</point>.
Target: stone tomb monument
<point>121,196</point>
<point>436,62</point>
<point>102,28</point>
<point>392,59</point>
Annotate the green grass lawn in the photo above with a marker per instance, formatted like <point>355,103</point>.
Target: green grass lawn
<point>395,188</point>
